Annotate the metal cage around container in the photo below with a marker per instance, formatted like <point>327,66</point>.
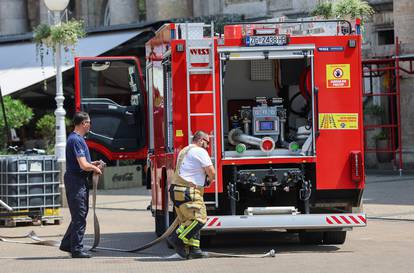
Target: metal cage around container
<point>29,182</point>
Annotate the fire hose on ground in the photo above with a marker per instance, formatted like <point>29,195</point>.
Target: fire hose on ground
<point>36,240</point>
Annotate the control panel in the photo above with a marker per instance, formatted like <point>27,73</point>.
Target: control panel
<point>265,121</point>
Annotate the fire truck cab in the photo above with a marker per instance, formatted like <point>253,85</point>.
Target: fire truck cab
<point>282,104</point>
<point>112,91</point>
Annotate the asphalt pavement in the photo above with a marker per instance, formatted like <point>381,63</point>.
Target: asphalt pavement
<point>385,245</point>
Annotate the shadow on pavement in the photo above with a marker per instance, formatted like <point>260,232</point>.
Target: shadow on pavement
<point>247,243</point>
<point>389,190</point>
<point>137,191</point>
<point>262,242</point>
<point>43,258</point>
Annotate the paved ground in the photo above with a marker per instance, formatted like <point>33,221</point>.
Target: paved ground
<point>384,246</point>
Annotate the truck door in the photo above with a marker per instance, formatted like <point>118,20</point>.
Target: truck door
<point>111,90</point>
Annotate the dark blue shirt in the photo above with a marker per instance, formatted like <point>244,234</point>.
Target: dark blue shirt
<point>76,147</point>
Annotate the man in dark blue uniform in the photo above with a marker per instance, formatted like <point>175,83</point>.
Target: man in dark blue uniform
<point>78,166</point>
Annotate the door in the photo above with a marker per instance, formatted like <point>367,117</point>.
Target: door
<point>111,90</point>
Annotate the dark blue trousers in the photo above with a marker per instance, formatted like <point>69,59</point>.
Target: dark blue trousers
<point>77,194</point>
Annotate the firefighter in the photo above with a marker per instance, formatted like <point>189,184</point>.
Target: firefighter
<point>78,166</point>
<point>193,172</point>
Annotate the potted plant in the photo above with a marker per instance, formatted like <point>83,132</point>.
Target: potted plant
<point>324,10</point>
<point>45,128</point>
<point>18,114</point>
<point>352,9</point>
<point>343,9</point>
<point>382,143</point>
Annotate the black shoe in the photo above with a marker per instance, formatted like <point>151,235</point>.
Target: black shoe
<point>195,253</point>
<point>64,249</point>
<point>81,254</point>
<point>178,245</point>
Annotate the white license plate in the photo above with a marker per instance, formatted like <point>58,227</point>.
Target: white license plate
<point>277,40</point>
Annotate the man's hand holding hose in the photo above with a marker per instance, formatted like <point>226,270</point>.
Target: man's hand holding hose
<point>100,164</point>
<point>210,176</point>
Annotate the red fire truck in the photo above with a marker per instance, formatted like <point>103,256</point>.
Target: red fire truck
<point>282,104</point>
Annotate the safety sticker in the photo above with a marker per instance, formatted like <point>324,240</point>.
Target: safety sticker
<point>338,76</point>
<point>179,133</point>
<point>338,121</point>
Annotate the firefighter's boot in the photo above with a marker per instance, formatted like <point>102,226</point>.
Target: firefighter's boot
<point>195,253</point>
<point>178,245</point>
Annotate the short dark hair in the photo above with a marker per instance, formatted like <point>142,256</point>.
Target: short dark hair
<point>80,117</point>
<point>199,135</point>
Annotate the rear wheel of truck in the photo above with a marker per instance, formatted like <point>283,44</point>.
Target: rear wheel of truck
<point>159,224</point>
<point>310,238</point>
<point>163,218</point>
<point>205,241</point>
<point>334,237</point>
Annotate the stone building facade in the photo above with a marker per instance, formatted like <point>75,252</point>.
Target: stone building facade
<point>21,16</point>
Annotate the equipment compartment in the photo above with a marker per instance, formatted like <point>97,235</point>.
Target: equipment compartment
<point>267,104</point>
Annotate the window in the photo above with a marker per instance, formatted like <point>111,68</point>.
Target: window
<point>114,80</point>
<point>386,37</point>
<point>168,105</point>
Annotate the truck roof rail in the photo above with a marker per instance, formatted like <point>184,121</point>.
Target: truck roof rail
<point>298,22</point>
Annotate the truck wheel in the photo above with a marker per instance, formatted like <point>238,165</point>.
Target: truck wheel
<point>162,218</point>
<point>334,237</point>
<point>311,238</point>
<point>205,241</point>
<point>159,224</point>
<point>148,179</point>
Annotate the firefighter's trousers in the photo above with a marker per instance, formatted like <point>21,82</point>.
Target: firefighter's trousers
<point>191,211</point>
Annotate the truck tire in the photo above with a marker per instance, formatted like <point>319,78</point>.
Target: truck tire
<point>162,218</point>
<point>159,224</point>
<point>205,241</point>
<point>334,237</point>
<point>311,238</point>
<point>148,179</point>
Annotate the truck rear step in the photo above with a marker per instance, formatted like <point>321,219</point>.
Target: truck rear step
<point>338,221</point>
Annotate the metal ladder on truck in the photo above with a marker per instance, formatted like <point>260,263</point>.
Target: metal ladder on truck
<point>195,40</point>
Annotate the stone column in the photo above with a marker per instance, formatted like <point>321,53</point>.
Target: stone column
<point>123,11</point>
<point>167,9</point>
<point>43,13</point>
<point>207,7</point>
<point>13,17</point>
<point>404,30</point>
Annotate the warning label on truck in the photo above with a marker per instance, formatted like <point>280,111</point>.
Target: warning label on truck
<point>338,121</point>
<point>338,76</point>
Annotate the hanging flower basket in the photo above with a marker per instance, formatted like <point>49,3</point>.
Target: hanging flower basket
<point>66,34</point>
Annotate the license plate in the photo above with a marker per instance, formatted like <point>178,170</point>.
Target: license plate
<point>274,40</point>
